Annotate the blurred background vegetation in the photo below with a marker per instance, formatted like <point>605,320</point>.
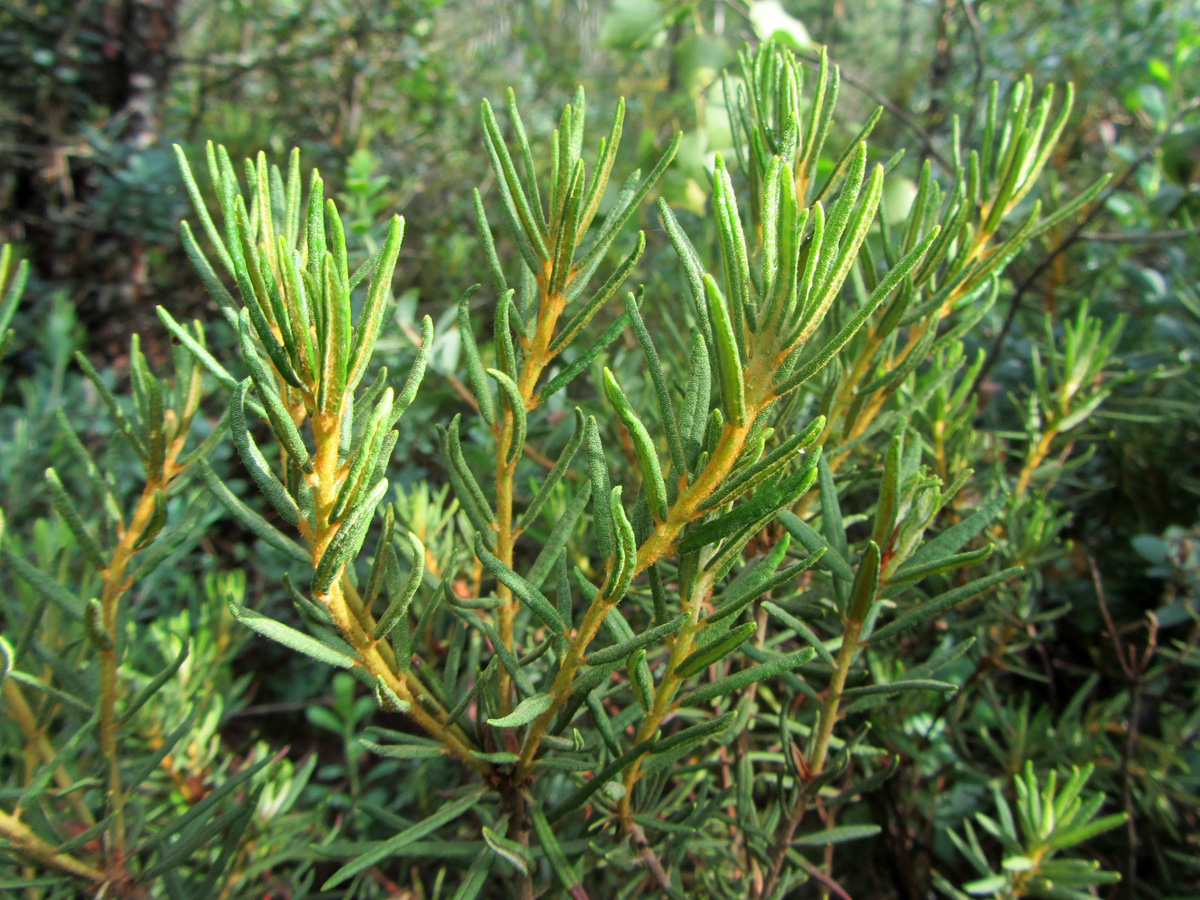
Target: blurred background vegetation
<point>383,95</point>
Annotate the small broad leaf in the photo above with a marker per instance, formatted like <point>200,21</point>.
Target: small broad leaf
<point>525,711</point>
<point>986,886</point>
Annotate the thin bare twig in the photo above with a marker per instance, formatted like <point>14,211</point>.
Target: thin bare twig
<point>1137,237</point>
<point>648,857</point>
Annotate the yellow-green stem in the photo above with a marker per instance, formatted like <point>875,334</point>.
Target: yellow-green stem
<point>348,614</point>
<point>833,696</point>
<point>819,754</point>
<point>27,844</point>
<point>658,545</point>
<point>116,583</point>
<point>1039,452</point>
<point>537,357</point>
<point>560,690</point>
<point>35,737</point>
<point>664,694</point>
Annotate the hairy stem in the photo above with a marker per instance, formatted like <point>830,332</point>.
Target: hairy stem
<point>658,545</point>
<point>346,609</point>
<point>537,357</point>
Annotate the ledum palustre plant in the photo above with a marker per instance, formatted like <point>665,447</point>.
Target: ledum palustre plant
<point>651,644</point>
<point>107,724</point>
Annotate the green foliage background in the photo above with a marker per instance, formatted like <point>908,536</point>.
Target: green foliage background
<point>1089,660</point>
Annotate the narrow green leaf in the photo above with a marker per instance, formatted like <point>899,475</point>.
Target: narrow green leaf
<point>741,599</point>
<point>378,294</point>
<point>249,518</point>
<point>694,415</point>
<point>641,679</point>
<point>6,659</point>
<point>837,835</point>
<point>602,520</point>
<point>489,245</point>
<point>366,459</point>
<point>45,586</point>
<point>521,214</point>
<point>584,360</point>
<point>890,282</point>
<point>511,852</point>
<point>110,401</point>
<point>716,651</point>
<point>889,491</point>
<point>729,363</point>
<point>747,478</point>
<point>193,189</point>
<point>693,270</point>
<point>524,712</point>
<point>383,849</point>
<point>931,608</point>
<point>483,393</point>
<point>621,650</point>
<point>155,684</point>
<point>70,515</point>
<point>255,462</point>
<point>555,474</point>
<point>93,623</point>
<point>626,206</point>
<point>1071,836</point>
<point>665,407</point>
<point>694,733</point>
<point>866,586</point>
<point>553,850</point>
<point>527,593</point>
<point>458,464</point>
<point>402,751</point>
<point>291,638</point>
<point>585,791</point>
<point>596,302</point>
<point>652,478</point>
<point>954,537</point>
<point>516,404</point>
<point>281,420</point>
<point>801,629</point>
<point>747,677</point>
<point>348,540</point>
<point>899,687</point>
<point>400,600</point>
<point>910,572</point>
<point>556,541</point>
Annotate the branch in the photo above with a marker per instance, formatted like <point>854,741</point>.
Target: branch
<point>1075,235</point>
<point>1138,237</point>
